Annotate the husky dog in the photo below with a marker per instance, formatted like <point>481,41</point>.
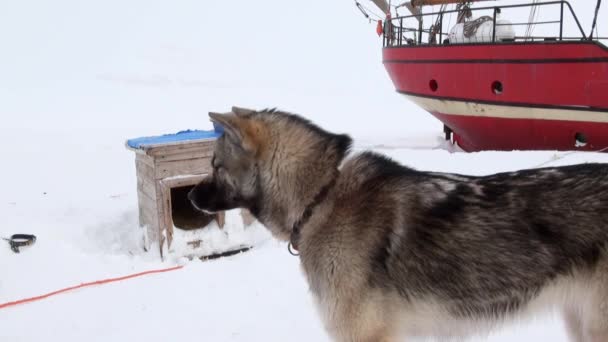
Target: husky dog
<point>391,252</point>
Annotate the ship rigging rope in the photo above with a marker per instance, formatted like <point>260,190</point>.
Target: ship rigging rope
<point>597,9</point>
<point>557,157</point>
<point>396,7</point>
<point>449,21</point>
<point>532,19</point>
<point>435,28</point>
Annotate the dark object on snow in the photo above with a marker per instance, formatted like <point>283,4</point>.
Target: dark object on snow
<point>225,254</point>
<point>20,240</point>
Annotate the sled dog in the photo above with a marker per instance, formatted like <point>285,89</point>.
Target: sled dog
<point>391,252</point>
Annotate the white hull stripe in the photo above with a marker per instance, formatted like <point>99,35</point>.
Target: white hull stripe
<point>463,108</point>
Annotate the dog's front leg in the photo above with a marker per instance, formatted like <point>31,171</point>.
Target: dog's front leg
<point>574,325</point>
<point>357,323</point>
<point>358,336</point>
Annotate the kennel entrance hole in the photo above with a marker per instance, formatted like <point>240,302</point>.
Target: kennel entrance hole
<point>183,213</point>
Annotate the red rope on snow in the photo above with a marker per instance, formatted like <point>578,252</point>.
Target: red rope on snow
<point>97,282</point>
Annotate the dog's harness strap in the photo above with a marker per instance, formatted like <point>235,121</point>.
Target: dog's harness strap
<point>295,231</point>
<point>20,240</point>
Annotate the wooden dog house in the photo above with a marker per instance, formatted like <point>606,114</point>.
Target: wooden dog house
<point>167,167</point>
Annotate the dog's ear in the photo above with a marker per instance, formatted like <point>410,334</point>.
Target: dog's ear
<point>240,130</point>
<point>242,111</point>
<point>343,144</point>
<point>228,123</point>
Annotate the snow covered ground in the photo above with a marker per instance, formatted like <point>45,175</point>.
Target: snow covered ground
<point>78,78</point>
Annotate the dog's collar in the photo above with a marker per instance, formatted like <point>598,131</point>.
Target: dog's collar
<point>292,247</point>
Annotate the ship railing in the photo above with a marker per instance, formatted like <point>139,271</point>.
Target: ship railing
<point>400,32</point>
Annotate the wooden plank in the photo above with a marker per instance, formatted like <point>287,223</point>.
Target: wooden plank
<point>152,230</point>
<point>145,200</point>
<point>247,217</point>
<point>148,206</point>
<point>142,217</point>
<point>204,156</point>
<point>146,180</point>
<point>152,233</point>
<point>165,220</point>
<point>149,219</point>
<point>144,170</point>
<point>142,158</point>
<point>182,167</point>
<point>145,192</point>
<point>186,154</point>
<point>187,180</point>
<point>220,217</point>
<point>147,186</point>
<point>202,145</point>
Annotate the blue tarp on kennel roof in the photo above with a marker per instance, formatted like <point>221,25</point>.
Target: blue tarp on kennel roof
<point>182,136</point>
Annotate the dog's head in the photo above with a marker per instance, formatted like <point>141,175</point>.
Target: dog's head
<point>269,162</point>
<point>234,180</point>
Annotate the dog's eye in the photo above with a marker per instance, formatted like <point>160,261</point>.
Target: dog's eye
<point>219,169</point>
<point>216,165</point>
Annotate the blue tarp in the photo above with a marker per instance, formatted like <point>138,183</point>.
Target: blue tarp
<point>144,142</point>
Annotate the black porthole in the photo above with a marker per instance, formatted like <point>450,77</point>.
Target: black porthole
<point>497,87</point>
<point>580,139</point>
<point>433,85</point>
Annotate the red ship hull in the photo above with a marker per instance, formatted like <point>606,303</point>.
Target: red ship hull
<point>520,96</point>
